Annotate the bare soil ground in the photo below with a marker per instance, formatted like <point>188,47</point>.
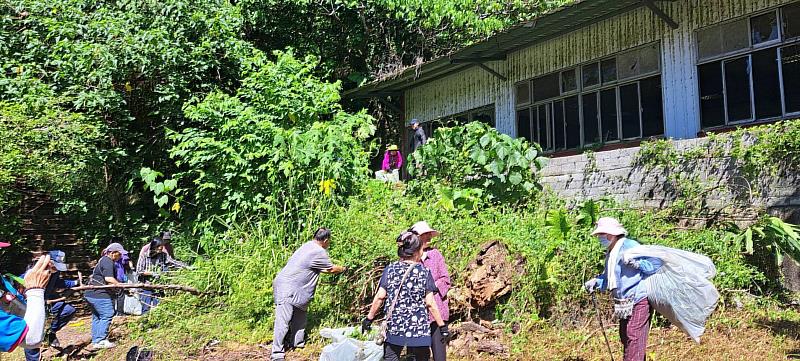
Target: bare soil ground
<point>738,335</point>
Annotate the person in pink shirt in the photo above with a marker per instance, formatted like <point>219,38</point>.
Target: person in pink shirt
<point>392,159</point>
<point>433,260</point>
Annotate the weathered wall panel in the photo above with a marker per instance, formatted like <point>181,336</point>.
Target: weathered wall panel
<point>475,87</point>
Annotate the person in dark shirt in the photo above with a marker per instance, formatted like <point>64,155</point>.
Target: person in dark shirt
<point>102,300</point>
<point>60,311</point>
<point>419,138</point>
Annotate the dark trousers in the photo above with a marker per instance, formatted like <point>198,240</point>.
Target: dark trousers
<point>149,299</point>
<point>633,331</point>
<point>392,353</point>
<point>438,344</point>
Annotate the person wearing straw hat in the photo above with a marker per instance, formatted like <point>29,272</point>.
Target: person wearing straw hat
<point>391,165</point>
<point>433,260</point>
<point>623,280</point>
<point>22,314</point>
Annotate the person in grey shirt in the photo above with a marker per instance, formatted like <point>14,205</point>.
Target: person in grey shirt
<point>293,289</point>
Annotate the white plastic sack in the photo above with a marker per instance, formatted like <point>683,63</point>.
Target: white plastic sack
<point>393,176</point>
<point>345,348</point>
<point>681,290</point>
<point>131,303</point>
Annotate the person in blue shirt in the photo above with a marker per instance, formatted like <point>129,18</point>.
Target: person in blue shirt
<point>22,316</point>
<point>60,311</point>
<point>631,306</point>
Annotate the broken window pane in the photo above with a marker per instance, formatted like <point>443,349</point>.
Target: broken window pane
<point>608,115</point>
<point>764,28</point>
<point>542,118</point>
<point>712,102</point>
<point>590,130</point>
<point>590,74</point>
<point>545,87</point>
<point>558,124</point>
<point>568,82</point>
<point>737,89</point>
<point>524,124</point>
<point>629,110</point>
<point>652,107</point>
<point>608,70</point>
<point>766,84</point>
<point>573,122</point>
<point>790,61</point>
<point>791,20</point>
<point>485,115</point>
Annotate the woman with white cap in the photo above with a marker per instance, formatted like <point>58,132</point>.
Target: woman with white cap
<point>433,260</point>
<point>623,280</point>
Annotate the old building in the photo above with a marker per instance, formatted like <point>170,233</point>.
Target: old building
<point>605,74</point>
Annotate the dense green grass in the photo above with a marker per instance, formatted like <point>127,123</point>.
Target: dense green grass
<point>559,257</point>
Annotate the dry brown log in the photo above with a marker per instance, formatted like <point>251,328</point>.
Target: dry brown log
<point>146,286</point>
<point>491,347</point>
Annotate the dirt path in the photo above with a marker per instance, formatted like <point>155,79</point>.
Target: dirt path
<point>738,336</point>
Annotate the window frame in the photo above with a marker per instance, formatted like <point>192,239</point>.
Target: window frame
<point>778,44</point>
<point>580,91</point>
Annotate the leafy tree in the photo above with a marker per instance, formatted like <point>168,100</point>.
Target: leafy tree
<point>129,66</point>
<point>475,162</point>
<point>281,143</point>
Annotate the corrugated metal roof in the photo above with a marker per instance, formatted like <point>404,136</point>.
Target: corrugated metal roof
<point>547,26</point>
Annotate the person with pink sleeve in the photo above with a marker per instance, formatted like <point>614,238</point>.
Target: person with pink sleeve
<point>433,260</point>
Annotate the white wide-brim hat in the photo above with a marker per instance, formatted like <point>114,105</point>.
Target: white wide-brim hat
<point>421,228</point>
<point>609,225</point>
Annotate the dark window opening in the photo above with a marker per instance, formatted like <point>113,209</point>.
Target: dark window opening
<point>790,61</point>
<point>629,111</point>
<point>608,70</point>
<point>737,89</point>
<point>791,20</point>
<point>485,116</point>
<point>558,124</point>
<point>712,102</point>
<point>524,124</point>
<point>572,122</point>
<point>590,74</point>
<point>608,115</point>
<point>764,28</point>
<point>591,134</point>
<point>568,82</point>
<point>652,107</point>
<point>546,87</point>
<point>766,84</point>
<point>544,140</point>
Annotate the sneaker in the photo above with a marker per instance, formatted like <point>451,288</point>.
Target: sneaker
<point>103,344</point>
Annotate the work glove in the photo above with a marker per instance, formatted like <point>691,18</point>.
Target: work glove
<point>633,263</point>
<point>445,333</point>
<point>591,285</point>
<point>365,325</point>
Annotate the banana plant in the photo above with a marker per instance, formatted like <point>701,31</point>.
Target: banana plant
<point>781,237</point>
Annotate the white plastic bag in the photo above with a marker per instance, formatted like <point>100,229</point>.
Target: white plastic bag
<point>131,303</point>
<point>345,348</point>
<point>681,290</point>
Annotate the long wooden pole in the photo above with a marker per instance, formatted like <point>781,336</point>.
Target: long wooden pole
<point>146,286</point>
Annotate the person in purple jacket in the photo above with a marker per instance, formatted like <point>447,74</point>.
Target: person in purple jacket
<point>433,260</point>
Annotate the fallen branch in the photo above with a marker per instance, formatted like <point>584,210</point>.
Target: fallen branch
<point>145,286</point>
